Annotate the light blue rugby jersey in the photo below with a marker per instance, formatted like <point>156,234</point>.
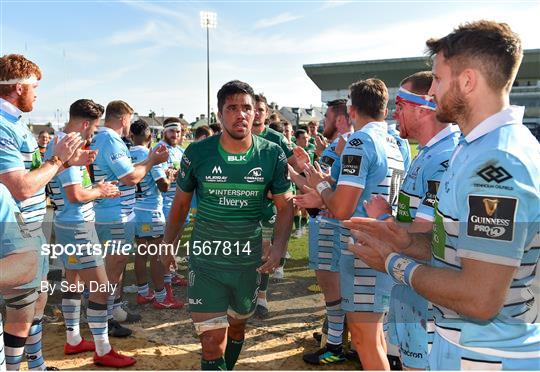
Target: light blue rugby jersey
<point>419,189</point>
<point>403,145</point>
<point>65,210</point>
<point>330,160</point>
<point>488,209</point>
<point>174,161</point>
<point>147,194</point>
<point>329,156</point>
<point>12,239</point>
<point>19,151</point>
<point>335,168</point>
<point>113,162</point>
<point>371,160</point>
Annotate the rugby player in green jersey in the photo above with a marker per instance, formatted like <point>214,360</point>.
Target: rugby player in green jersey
<point>269,213</point>
<point>232,173</point>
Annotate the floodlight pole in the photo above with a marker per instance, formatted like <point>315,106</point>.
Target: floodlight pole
<point>208,20</point>
<point>208,72</point>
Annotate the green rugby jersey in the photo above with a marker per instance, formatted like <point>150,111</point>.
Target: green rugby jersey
<point>310,149</point>
<point>279,139</point>
<point>232,191</point>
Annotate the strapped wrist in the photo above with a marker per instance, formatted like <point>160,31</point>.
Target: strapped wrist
<point>401,268</point>
<point>323,185</point>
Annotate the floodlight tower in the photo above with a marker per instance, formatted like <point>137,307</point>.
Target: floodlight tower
<point>208,21</point>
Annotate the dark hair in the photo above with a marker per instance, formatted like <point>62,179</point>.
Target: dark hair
<point>216,128</point>
<point>491,47</point>
<point>420,82</point>
<point>261,98</point>
<point>115,109</point>
<point>339,106</point>
<point>299,132</point>
<point>203,130</point>
<point>370,97</point>
<point>172,120</point>
<point>140,128</point>
<point>230,89</point>
<point>43,132</point>
<point>273,117</point>
<point>86,109</point>
<point>277,126</point>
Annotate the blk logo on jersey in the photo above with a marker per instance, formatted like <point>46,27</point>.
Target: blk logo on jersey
<point>351,165</point>
<point>491,217</point>
<point>186,161</point>
<point>497,174</point>
<point>236,158</point>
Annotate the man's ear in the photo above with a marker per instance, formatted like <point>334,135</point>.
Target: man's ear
<point>468,80</point>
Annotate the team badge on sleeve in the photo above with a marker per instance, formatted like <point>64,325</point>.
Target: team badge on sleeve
<point>351,165</point>
<point>491,217</point>
<point>431,194</point>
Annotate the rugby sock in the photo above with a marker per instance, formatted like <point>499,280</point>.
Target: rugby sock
<point>263,302</point>
<point>14,348</point>
<point>32,347</point>
<point>336,317</point>
<point>142,289</point>
<point>161,294</point>
<point>71,309</point>
<point>97,322</point>
<point>232,352</point>
<point>110,305</point>
<point>262,290</point>
<point>282,262</point>
<point>167,278</point>
<point>86,293</point>
<point>213,365</point>
<point>303,221</point>
<point>264,282</point>
<point>296,222</point>
<point>117,304</point>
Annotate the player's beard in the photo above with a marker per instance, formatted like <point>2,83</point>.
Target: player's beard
<point>169,142</point>
<point>452,107</point>
<point>25,103</point>
<point>329,131</point>
<point>236,136</point>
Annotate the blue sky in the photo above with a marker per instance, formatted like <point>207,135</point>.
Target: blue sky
<point>152,54</point>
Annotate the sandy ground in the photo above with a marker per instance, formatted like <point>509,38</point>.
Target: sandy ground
<point>165,339</point>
